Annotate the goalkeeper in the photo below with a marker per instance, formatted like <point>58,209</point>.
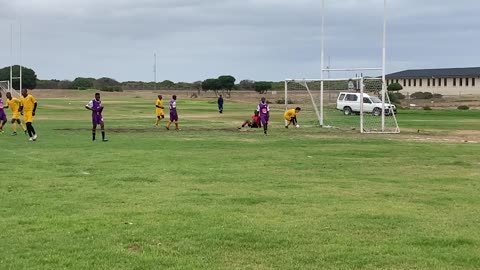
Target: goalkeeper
<point>291,116</point>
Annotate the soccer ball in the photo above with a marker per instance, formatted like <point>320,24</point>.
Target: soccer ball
<point>297,126</point>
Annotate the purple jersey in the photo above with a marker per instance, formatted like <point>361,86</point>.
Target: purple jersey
<point>3,116</point>
<point>263,109</point>
<point>97,108</point>
<point>173,110</point>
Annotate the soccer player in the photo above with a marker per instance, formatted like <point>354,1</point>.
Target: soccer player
<point>291,116</point>
<point>173,113</point>
<point>3,116</point>
<point>28,106</point>
<point>159,110</point>
<point>220,104</point>
<point>264,111</point>
<point>14,104</point>
<point>254,123</point>
<point>95,105</point>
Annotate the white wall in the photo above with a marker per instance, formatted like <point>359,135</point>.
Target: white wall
<point>421,85</point>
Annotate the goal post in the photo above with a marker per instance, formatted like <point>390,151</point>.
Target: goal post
<point>336,103</point>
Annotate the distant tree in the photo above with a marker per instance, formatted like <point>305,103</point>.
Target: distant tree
<point>166,84</point>
<point>107,84</point>
<point>65,84</point>
<point>247,84</point>
<point>83,83</point>
<point>227,83</point>
<point>262,87</point>
<point>47,84</point>
<point>211,84</point>
<point>29,78</point>
<point>197,85</point>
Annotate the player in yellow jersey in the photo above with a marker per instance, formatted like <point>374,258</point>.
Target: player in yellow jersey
<point>159,110</point>
<point>28,106</point>
<point>14,104</point>
<point>291,116</point>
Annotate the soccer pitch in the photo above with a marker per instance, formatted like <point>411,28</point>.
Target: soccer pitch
<point>213,197</point>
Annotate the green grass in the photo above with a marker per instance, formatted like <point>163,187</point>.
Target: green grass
<point>211,197</point>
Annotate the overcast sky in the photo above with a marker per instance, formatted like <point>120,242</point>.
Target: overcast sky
<point>249,39</point>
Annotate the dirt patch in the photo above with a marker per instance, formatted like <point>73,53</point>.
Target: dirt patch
<point>134,247</point>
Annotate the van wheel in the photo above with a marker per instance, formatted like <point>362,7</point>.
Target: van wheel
<point>347,111</point>
<point>377,111</point>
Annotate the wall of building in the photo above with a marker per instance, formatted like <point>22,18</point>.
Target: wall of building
<point>444,86</point>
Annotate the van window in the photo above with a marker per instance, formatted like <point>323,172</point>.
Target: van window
<point>341,96</point>
<point>366,100</point>
<point>351,98</point>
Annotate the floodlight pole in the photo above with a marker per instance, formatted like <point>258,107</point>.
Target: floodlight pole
<point>155,70</point>
<point>322,62</point>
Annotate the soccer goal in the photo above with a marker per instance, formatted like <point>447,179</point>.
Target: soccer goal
<point>335,103</point>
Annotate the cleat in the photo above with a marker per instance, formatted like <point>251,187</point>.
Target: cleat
<point>286,126</point>
<point>14,134</point>
<point>34,137</point>
<point>167,128</point>
<point>31,139</point>
<point>25,132</point>
<point>104,140</point>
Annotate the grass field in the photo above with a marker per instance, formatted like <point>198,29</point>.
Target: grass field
<point>212,197</point>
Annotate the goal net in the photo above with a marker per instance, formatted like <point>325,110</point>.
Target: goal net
<point>338,105</point>
<point>4,86</point>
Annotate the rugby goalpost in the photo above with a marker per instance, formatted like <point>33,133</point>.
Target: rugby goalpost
<point>7,86</point>
<point>324,115</point>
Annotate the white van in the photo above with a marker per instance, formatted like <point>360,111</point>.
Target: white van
<point>350,103</point>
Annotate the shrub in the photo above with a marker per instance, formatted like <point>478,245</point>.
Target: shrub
<point>437,95</point>
<point>463,107</point>
<point>394,87</point>
<point>421,95</point>
<point>427,108</point>
<point>282,101</point>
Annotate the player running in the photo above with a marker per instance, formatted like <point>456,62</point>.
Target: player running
<point>264,111</point>
<point>95,105</point>
<point>3,116</point>
<point>291,116</point>
<point>28,106</point>
<point>14,104</point>
<point>159,110</point>
<point>173,113</point>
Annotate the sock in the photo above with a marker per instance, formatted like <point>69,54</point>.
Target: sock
<point>29,130</point>
<point>32,129</point>
<point>103,135</point>
<point>22,126</point>
<point>93,135</point>
<point>14,127</point>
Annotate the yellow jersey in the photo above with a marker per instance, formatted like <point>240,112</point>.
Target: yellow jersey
<point>28,103</point>
<point>159,103</point>
<point>13,104</point>
<point>290,114</point>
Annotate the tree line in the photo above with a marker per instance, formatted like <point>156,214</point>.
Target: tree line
<point>221,85</point>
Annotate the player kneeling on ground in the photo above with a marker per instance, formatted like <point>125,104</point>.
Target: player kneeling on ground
<point>291,116</point>
<point>254,123</point>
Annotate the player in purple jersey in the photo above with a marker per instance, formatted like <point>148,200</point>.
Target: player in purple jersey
<point>264,110</point>
<point>95,105</point>
<point>3,116</point>
<point>173,113</point>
